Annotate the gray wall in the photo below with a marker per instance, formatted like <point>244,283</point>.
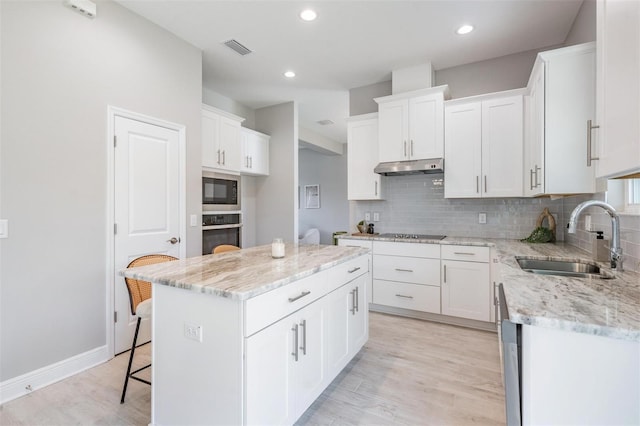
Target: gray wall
<point>60,70</point>
<point>277,195</point>
<point>583,29</point>
<point>224,103</point>
<point>330,172</point>
<point>361,98</point>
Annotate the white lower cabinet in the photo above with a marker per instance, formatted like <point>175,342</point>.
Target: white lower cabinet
<point>466,285</point>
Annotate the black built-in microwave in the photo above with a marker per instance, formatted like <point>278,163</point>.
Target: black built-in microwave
<point>220,192</point>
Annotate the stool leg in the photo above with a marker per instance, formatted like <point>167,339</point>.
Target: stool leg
<point>133,349</point>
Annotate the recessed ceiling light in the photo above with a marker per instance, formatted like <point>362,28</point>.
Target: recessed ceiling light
<point>289,74</point>
<point>308,15</point>
<point>465,29</point>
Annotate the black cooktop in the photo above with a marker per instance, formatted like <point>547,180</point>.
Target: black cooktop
<point>412,236</point>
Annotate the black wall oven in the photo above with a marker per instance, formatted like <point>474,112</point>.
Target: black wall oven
<point>220,228</point>
<point>220,192</point>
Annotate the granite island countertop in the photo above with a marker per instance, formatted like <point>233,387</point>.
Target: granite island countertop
<point>246,273</point>
<point>587,305</point>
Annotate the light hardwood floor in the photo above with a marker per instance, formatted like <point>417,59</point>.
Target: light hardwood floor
<point>410,372</point>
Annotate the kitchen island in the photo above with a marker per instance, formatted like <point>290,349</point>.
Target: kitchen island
<point>241,338</point>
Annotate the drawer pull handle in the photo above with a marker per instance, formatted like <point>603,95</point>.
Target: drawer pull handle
<point>300,296</point>
<point>353,246</point>
<point>464,253</point>
<point>351,271</point>
<point>403,296</point>
<point>404,270</point>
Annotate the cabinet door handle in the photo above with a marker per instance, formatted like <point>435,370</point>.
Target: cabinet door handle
<point>404,270</point>
<point>411,147</point>
<point>405,148</point>
<point>463,253</point>
<point>251,162</point>
<point>357,290</point>
<point>218,156</point>
<point>531,179</point>
<point>295,342</point>
<point>376,193</point>
<point>445,274</point>
<point>590,127</point>
<point>353,301</point>
<point>224,157</point>
<point>357,268</point>
<point>300,296</point>
<point>404,297</point>
<point>537,170</point>
<point>303,325</point>
<point>485,184</point>
<point>477,184</point>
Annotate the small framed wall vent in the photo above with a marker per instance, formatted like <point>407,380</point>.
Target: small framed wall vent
<point>85,7</point>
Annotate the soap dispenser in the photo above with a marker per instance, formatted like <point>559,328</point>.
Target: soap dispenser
<point>600,248</point>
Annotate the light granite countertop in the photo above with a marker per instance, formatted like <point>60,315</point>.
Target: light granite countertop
<point>587,305</point>
<point>246,273</point>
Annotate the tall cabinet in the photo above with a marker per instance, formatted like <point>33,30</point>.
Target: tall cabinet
<point>483,146</point>
<point>560,103</point>
<point>618,135</point>
<point>220,139</point>
<point>362,158</point>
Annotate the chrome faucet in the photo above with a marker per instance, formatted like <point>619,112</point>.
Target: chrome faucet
<point>615,250</point>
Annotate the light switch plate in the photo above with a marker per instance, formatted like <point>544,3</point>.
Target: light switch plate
<point>4,228</point>
<point>194,220</point>
<point>367,216</point>
<point>376,216</point>
<point>482,218</point>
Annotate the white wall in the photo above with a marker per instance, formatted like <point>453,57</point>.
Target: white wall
<point>60,71</point>
<point>330,172</point>
<point>225,103</point>
<point>277,194</point>
<point>583,29</point>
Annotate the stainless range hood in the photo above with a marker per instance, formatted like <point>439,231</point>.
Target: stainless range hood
<point>413,167</point>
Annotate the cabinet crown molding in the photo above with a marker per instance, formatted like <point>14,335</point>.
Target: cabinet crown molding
<point>223,113</point>
<point>444,89</point>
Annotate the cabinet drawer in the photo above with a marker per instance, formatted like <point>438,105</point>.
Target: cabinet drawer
<point>345,272</point>
<point>466,253</point>
<point>355,243</point>
<point>417,297</point>
<point>407,249</point>
<point>269,307</point>
<point>407,269</point>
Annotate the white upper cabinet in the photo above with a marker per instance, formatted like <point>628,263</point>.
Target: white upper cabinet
<point>562,101</point>
<point>483,146</point>
<point>255,153</point>
<point>618,109</point>
<point>220,139</point>
<point>362,148</point>
<point>411,125</point>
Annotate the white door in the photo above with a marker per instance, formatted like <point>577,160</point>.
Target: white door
<point>146,208</point>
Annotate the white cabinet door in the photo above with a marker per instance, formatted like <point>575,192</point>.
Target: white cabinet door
<point>426,127</point>
<point>210,132</point>
<point>463,150</point>
<point>534,134</point>
<point>339,304</point>
<point>358,322</point>
<point>393,130</point>
<point>362,148</point>
<point>502,132</point>
<point>255,153</point>
<point>269,375</point>
<point>618,35</point>
<point>466,291</point>
<point>229,144</point>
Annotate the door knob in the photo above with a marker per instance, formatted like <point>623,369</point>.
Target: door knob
<point>174,240</point>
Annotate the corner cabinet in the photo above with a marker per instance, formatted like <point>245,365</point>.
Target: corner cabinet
<point>560,103</point>
<point>618,87</point>
<point>484,146</point>
<point>411,125</point>
<point>254,153</point>
<point>362,158</point>
<point>220,139</point>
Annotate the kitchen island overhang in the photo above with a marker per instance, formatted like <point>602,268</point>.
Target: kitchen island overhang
<point>241,338</point>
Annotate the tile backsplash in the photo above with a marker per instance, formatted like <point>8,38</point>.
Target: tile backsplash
<point>416,204</point>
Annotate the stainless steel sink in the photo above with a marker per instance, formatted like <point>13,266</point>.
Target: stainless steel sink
<point>567,268</point>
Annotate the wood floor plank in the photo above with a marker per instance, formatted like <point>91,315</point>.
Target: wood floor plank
<point>410,372</point>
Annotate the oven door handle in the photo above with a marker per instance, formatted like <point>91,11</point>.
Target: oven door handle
<point>214,227</point>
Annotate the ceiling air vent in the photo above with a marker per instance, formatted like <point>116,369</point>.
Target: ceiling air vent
<point>325,122</point>
<point>237,46</point>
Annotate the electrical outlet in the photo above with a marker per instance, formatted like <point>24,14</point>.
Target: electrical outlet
<point>367,216</point>
<point>482,218</point>
<point>376,216</point>
<point>193,332</point>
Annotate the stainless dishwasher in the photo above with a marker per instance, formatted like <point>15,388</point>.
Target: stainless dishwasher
<point>510,339</point>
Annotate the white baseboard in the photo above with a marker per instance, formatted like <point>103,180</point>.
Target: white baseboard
<point>37,379</point>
